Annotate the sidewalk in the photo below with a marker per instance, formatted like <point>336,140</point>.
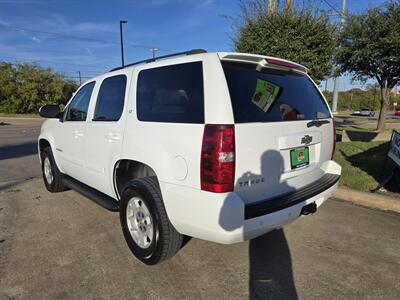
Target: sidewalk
<point>371,200</point>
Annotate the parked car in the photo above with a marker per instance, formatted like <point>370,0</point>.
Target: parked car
<point>366,112</point>
<point>397,111</point>
<point>219,146</point>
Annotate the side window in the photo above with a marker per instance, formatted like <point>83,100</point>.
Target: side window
<point>171,94</point>
<point>110,101</point>
<point>78,107</point>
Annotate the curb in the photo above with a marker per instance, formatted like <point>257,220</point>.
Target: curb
<point>370,200</point>
<point>22,118</point>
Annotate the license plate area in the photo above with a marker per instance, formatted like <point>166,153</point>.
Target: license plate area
<point>299,157</point>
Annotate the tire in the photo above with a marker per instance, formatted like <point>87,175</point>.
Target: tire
<point>145,224</point>
<point>52,176</point>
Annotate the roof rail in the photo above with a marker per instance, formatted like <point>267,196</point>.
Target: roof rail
<point>189,52</point>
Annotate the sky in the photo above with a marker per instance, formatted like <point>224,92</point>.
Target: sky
<point>83,35</point>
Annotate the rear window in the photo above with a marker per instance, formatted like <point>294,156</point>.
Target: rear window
<point>171,94</point>
<point>272,96</point>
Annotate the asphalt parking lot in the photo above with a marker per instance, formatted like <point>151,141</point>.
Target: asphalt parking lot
<point>64,246</point>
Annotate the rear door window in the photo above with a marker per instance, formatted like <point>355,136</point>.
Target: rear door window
<point>272,96</point>
<point>110,100</point>
<point>171,94</point>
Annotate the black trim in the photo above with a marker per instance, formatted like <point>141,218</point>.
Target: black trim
<point>190,52</point>
<point>317,123</point>
<point>96,196</point>
<point>271,205</point>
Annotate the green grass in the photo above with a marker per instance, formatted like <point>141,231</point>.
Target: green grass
<point>6,115</point>
<point>361,163</point>
<point>355,128</point>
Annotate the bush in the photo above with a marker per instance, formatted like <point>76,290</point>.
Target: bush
<point>24,88</point>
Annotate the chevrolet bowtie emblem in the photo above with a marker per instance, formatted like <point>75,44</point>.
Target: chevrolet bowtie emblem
<point>306,139</point>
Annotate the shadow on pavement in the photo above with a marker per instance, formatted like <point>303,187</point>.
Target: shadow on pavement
<point>13,184</point>
<point>269,256</point>
<point>271,275</point>
<point>361,136</point>
<point>16,151</point>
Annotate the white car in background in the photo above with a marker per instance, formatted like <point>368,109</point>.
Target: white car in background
<point>365,112</point>
<point>219,146</point>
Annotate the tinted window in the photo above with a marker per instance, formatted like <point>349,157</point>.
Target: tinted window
<point>171,94</point>
<point>78,107</point>
<point>110,101</point>
<point>294,96</point>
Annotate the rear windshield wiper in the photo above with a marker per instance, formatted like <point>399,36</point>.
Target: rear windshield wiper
<point>317,123</point>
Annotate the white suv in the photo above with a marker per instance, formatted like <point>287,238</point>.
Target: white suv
<point>219,146</point>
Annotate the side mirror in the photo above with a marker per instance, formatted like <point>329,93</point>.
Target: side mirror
<point>50,111</point>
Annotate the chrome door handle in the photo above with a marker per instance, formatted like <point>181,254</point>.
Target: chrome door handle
<point>78,134</point>
<point>112,136</point>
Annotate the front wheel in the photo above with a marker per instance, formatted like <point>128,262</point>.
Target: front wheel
<point>145,224</point>
<point>52,176</point>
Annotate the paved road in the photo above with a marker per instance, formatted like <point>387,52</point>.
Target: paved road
<point>389,115</point>
<point>64,246</point>
<point>18,149</point>
<point>367,122</point>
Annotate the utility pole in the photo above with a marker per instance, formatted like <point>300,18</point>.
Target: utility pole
<point>271,7</point>
<point>337,78</point>
<point>351,97</point>
<point>289,5</point>
<point>80,78</point>
<point>122,40</point>
<point>154,50</point>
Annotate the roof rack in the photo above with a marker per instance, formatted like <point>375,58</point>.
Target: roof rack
<point>190,52</point>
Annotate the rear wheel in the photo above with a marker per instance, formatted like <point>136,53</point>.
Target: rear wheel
<point>52,176</point>
<point>145,224</point>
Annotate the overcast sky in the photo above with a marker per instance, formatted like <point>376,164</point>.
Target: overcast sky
<point>169,25</point>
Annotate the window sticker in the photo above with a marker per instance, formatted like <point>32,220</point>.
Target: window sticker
<point>265,94</point>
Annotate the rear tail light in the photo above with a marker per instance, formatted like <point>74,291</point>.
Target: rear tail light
<point>217,170</point>
<point>334,137</point>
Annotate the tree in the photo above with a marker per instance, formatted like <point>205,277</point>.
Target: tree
<point>302,35</point>
<point>24,88</point>
<point>369,47</point>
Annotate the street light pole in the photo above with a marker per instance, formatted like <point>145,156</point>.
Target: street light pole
<point>80,78</point>
<point>337,79</point>
<point>122,40</point>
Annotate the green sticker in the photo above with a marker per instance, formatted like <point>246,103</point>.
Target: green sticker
<point>299,157</point>
<point>265,94</point>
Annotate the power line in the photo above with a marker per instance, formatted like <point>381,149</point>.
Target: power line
<point>77,77</point>
<point>37,48</point>
<point>333,7</point>
<point>23,29</point>
<point>63,73</point>
<point>74,72</point>
<point>50,61</point>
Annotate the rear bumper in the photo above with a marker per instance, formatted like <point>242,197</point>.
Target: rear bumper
<point>271,205</point>
<point>224,218</point>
